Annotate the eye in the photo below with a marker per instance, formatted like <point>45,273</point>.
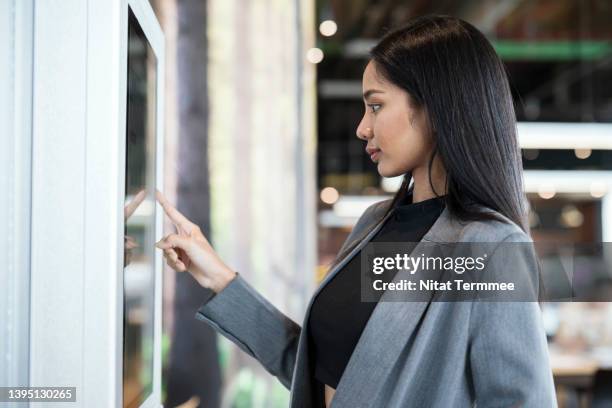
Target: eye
<point>374,107</point>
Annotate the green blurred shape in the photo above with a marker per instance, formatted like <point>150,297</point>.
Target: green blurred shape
<point>552,50</point>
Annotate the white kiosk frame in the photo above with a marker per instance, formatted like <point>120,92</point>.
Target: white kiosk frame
<point>78,176</point>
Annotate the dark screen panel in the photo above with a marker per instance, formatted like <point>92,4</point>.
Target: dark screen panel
<point>139,260</point>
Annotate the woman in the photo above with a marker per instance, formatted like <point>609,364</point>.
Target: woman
<point>438,110</point>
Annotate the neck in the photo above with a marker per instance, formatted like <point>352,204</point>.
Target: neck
<point>422,188</point>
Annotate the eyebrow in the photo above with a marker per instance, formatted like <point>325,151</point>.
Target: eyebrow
<point>369,93</point>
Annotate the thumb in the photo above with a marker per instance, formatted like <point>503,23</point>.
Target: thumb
<point>174,241</point>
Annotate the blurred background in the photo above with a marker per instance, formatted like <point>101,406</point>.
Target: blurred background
<point>264,98</point>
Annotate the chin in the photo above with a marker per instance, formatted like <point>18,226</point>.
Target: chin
<point>389,172</point>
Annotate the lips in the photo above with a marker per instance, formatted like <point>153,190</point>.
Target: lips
<point>373,152</point>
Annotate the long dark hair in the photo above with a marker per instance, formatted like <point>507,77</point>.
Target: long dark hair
<point>450,69</point>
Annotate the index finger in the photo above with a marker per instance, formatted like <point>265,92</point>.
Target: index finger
<point>175,216</point>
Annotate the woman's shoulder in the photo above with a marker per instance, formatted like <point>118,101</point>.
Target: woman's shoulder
<point>497,229</point>
<point>376,209</point>
<point>373,213</point>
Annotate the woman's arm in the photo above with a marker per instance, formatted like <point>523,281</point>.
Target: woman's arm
<point>246,318</point>
<point>235,309</point>
<point>508,352</point>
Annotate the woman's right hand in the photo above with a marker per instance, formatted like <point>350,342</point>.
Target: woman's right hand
<point>189,250</point>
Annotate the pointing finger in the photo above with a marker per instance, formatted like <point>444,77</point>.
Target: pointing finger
<point>175,216</point>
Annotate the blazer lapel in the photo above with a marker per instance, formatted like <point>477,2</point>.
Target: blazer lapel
<point>364,240</point>
<point>388,331</point>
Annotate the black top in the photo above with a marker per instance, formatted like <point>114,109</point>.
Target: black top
<point>338,316</point>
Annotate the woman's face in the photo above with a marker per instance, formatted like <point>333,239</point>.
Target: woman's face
<point>396,132</point>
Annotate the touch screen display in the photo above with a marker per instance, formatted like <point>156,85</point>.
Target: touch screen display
<point>139,212</point>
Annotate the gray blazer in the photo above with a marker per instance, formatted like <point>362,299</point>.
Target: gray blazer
<point>410,354</point>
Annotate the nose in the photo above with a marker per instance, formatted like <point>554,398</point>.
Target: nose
<point>363,132</point>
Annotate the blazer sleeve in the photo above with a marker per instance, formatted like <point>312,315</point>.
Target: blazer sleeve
<point>508,354</point>
<point>241,314</point>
